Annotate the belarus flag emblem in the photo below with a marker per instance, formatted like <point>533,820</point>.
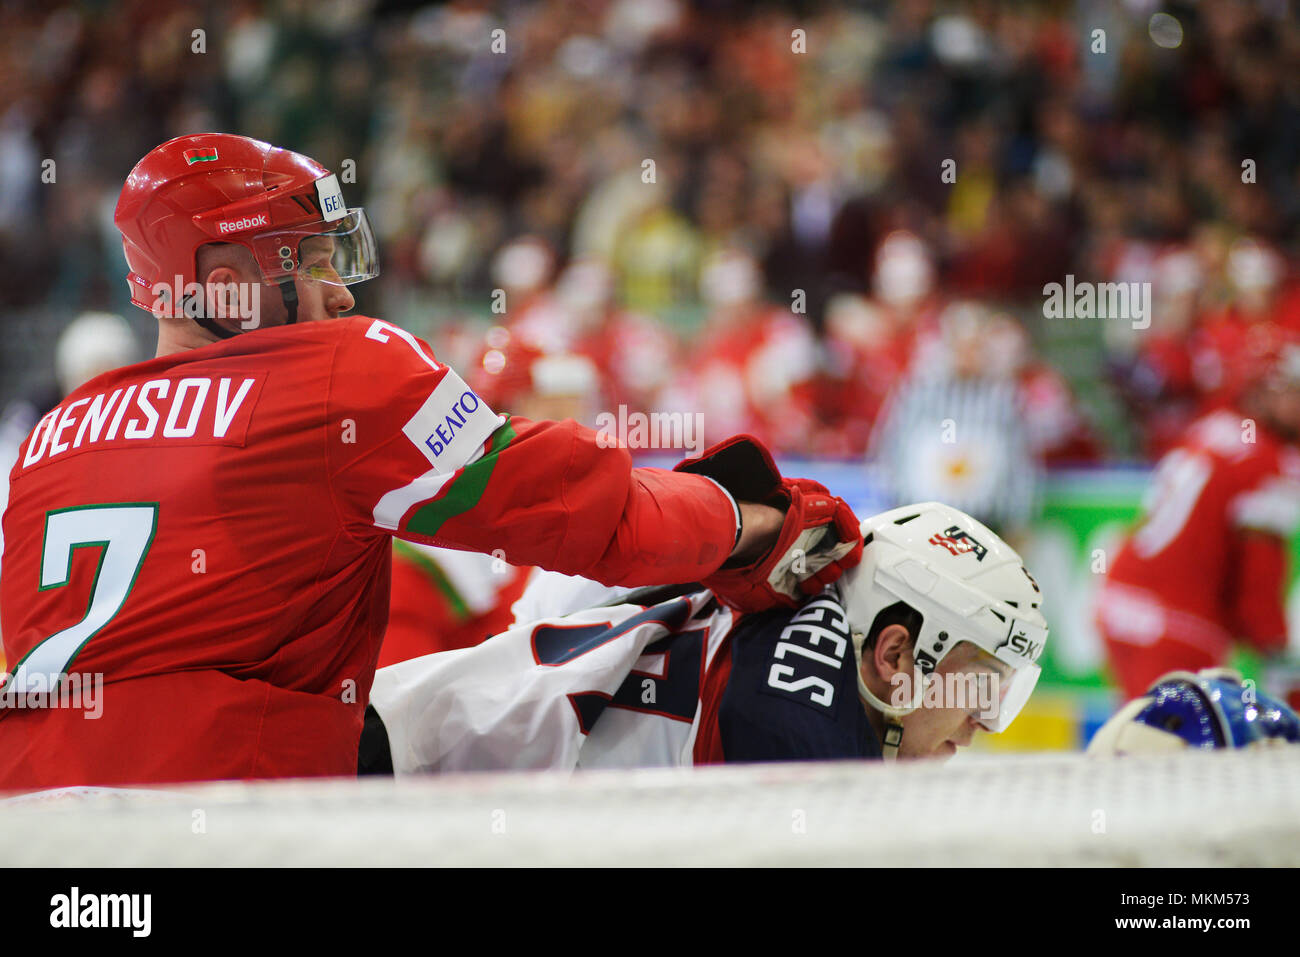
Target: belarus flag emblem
<point>203,155</point>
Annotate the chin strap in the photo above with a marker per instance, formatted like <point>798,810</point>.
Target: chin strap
<point>221,332</point>
<point>892,715</point>
<point>289,293</point>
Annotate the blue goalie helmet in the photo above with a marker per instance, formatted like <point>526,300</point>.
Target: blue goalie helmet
<point>1213,708</point>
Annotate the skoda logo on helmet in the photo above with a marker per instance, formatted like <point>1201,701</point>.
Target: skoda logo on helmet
<point>1020,643</point>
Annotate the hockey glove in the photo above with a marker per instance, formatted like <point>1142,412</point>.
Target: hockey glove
<point>817,543</point>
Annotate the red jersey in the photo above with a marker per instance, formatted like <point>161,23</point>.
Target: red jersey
<point>209,531</point>
<point>1222,349</point>
<point>1207,564</point>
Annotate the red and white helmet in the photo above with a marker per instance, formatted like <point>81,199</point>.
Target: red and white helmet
<point>966,583</point>
<point>222,188</point>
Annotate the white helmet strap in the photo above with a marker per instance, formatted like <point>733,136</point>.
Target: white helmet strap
<point>892,714</point>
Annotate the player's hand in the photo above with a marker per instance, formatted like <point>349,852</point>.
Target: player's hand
<point>815,543</point>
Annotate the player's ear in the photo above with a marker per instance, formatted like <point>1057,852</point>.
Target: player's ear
<point>220,276</point>
<point>221,289</point>
<point>893,652</point>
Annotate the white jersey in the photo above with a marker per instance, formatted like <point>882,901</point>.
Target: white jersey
<point>530,697</point>
<point>552,594</point>
<point>678,683</point>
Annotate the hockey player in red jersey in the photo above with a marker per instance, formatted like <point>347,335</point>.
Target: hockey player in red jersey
<point>1207,565</point>
<point>934,636</point>
<point>208,531</point>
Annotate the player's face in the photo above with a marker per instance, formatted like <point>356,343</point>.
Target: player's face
<point>321,293</point>
<point>967,684</point>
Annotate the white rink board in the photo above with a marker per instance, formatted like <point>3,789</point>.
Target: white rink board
<point>1200,809</point>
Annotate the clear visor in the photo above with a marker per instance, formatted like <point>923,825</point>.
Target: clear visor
<point>343,254</point>
<point>1013,691</point>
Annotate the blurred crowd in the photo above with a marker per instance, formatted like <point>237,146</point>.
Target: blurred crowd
<point>819,223</point>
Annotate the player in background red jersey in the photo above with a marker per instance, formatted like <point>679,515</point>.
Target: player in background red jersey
<point>209,531</point>
<point>1207,565</point>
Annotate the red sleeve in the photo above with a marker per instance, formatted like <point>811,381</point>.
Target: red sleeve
<point>1257,592</point>
<point>412,451</point>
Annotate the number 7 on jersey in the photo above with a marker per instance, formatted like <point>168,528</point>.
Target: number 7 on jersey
<point>125,531</point>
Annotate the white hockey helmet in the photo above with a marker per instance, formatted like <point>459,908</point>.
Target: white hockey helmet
<point>966,583</point>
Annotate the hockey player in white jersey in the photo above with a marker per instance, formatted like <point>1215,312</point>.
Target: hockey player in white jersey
<point>933,637</point>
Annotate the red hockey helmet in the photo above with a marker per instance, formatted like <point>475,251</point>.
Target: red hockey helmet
<point>222,188</point>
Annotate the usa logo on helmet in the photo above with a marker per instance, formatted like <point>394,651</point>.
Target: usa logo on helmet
<point>959,542</point>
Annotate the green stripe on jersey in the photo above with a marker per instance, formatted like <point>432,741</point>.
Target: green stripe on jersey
<point>440,580</point>
<point>466,491</point>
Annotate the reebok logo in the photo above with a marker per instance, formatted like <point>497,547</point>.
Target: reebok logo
<point>239,225</point>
